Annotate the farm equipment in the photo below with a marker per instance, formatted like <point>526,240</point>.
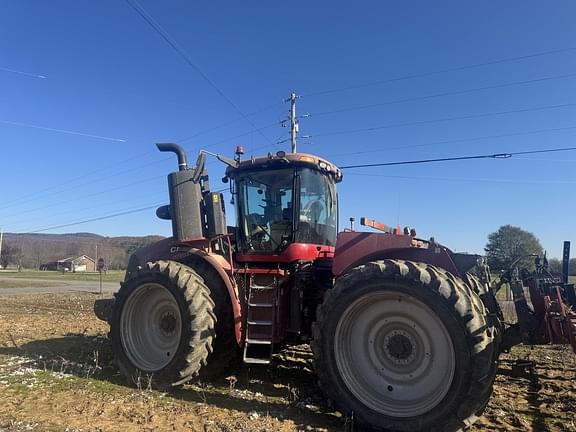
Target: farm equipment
<point>549,316</point>
<point>405,333</point>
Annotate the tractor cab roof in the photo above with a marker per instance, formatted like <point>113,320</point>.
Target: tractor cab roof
<point>285,160</point>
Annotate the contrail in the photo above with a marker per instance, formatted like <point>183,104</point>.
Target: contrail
<point>22,73</point>
<point>62,131</point>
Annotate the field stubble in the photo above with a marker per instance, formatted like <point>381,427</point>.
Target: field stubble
<point>56,373</point>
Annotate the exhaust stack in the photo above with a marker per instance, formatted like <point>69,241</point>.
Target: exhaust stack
<point>175,148</point>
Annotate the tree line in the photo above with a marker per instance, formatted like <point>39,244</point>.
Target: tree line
<point>32,250</point>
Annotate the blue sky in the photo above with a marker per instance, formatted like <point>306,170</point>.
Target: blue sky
<point>110,78</point>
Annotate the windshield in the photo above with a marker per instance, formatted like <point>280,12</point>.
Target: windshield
<point>266,218</point>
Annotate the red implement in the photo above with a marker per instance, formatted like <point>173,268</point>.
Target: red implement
<point>560,319</point>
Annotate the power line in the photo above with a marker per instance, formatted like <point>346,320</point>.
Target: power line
<point>444,94</point>
<point>445,119</point>
<point>465,179</point>
<point>457,158</point>
<point>25,198</point>
<point>184,55</point>
<point>220,126</point>
<point>441,71</point>
<point>240,136</point>
<point>80,185</point>
<point>46,219</point>
<point>101,192</point>
<point>98,218</point>
<point>94,204</point>
<point>95,219</point>
<point>460,140</point>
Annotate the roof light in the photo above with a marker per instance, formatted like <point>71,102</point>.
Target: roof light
<point>306,159</point>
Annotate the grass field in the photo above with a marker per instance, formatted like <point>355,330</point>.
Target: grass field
<point>110,276</point>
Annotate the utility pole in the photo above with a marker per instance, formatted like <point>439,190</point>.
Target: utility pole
<point>96,255</point>
<point>293,122</point>
<point>1,237</point>
<point>294,125</point>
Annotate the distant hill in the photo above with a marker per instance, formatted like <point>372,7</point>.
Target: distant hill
<point>35,249</point>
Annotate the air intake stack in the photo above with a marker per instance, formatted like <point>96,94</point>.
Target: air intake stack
<point>186,204</point>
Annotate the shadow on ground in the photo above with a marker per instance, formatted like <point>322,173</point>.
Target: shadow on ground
<point>286,389</point>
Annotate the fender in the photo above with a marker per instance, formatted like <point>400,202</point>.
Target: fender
<point>356,248</point>
<point>219,263</point>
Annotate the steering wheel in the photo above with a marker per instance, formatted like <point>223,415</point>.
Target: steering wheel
<point>312,210</point>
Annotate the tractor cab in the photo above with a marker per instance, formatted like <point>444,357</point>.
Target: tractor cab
<point>286,205</point>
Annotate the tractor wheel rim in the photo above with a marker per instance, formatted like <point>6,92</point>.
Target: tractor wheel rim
<point>394,354</point>
<point>151,327</point>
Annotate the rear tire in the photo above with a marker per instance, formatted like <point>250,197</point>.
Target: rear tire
<point>162,325</point>
<point>402,346</point>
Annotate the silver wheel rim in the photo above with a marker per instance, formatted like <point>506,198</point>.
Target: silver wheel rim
<point>150,327</point>
<point>394,354</point>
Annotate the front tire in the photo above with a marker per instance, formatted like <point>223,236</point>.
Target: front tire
<point>162,325</point>
<point>402,346</point>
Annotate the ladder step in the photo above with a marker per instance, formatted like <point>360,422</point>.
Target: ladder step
<point>256,360</point>
<point>262,287</point>
<point>260,323</point>
<point>258,351</point>
<point>258,342</point>
<point>260,305</point>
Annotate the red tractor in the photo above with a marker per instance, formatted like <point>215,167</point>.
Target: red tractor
<point>405,333</point>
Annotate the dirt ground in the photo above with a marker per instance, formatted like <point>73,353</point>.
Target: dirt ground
<point>56,375</point>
